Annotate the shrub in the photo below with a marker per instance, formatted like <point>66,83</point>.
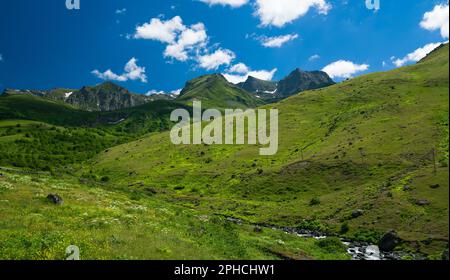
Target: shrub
<point>332,245</point>
<point>367,235</point>
<point>314,201</point>
<point>105,179</point>
<point>312,226</point>
<point>344,228</point>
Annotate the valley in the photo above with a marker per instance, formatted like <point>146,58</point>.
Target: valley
<point>356,160</point>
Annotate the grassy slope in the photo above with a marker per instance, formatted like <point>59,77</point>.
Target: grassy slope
<point>138,119</point>
<point>41,133</point>
<point>40,146</point>
<point>362,142</point>
<point>107,224</point>
<point>216,92</point>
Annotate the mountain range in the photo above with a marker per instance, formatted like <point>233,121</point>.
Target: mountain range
<point>213,90</point>
<point>357,161</point>
<point>104,97</point>
<point>296,82</point>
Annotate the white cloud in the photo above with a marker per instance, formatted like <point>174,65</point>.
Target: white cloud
<point>132,72</point>
<point>1,57</point>
<point>163,31</point>
<point>182,41</point>
<point>415,55</point>
<point>344,69</point>
<point>261,74</point>
<point>240,68</point>
<point>155,92</point>
<point>281,12</point>
<point>185,43</point>
<point>160,92</point>
<point>121,11</point>
<point>437,19</point>
<point>176,92</point>
<point>188,40</point>
<point>215,60</point>
<point>232,3</point>
<point>314,57</point>
<point>278,41</point>
<point>240,72</point>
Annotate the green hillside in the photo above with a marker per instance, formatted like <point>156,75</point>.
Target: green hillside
<point>355,159</point>
<point>216,92</point>
<point>40,133</point>
<point>364,146</point>
<point>125,225</point>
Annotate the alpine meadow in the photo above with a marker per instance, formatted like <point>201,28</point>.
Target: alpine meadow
<point>361,169</point>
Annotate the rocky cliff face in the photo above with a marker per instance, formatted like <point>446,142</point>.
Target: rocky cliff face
<point>105,97</point>
<point>294,83</point>
<point>263,89</point>
<point>299,81</point>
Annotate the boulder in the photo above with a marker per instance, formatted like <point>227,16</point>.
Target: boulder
<point>55,199</point>
<point>389,241</point>
<point>435,186</point>
<point>422,202</point>
<point>357,213</point>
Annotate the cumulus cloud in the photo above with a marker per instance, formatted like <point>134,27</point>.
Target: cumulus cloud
<point>176,92</point>
<point>232,3</point>
<point>181,40</point>
<point>416,55</point>
<point>185,43</point>
<point>155,92</point>
<point>344,69</point>
<point>132,72</point>
<point>437,19</point>
<point>279,13</point>
<point>163,31</point>
<point>314,57</point>
<point>240,72</point>
<point>240,68</point>
<point>173,93</point>
<point>216,59</point>
<point>190,39</point>
<point>277,41</point>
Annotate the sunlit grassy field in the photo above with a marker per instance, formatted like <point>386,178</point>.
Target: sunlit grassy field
<point>376,144</point>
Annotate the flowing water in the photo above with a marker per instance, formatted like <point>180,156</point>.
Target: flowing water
<point>358,250</point>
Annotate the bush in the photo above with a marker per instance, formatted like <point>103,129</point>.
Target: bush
<point>344,228</point>
<point>367,235</point>
<point>105,179</point>
<point>312,226</point>
<point>332,245</point>
<point>314,201</point>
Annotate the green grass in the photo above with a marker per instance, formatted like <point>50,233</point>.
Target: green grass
<point>40,146</point>
<point>365,144</point>
<point>108,224</point>
<point>351,146</point>
<point>214,91</point>
<point>150,117</point>
<point>39,133</point>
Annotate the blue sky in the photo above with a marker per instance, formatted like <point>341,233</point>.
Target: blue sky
<point>162,44</point>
